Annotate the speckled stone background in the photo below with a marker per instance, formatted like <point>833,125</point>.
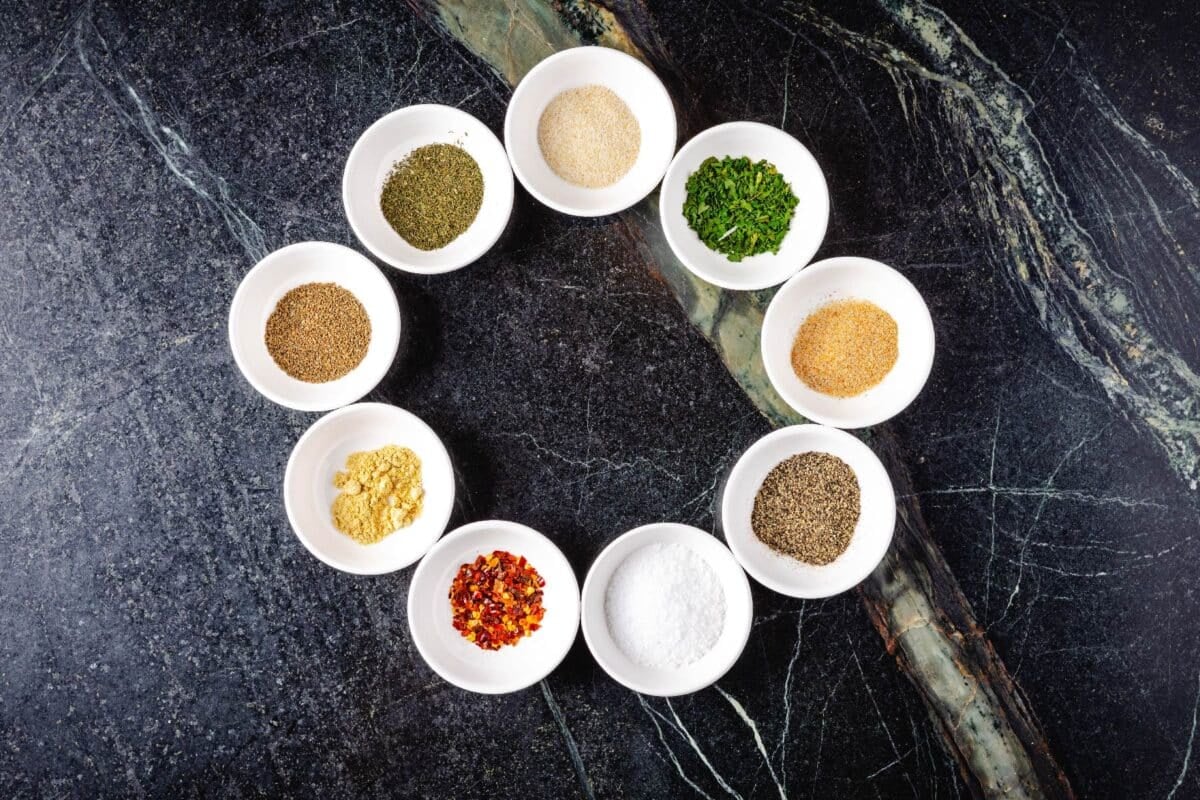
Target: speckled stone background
<point>163,633</point>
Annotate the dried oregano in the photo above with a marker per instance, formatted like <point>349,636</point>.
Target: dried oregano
<point>433,195</point>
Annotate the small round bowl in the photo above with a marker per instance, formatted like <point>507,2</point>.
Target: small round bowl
<point>512,667</point>
<point>844,278</point>
<point>308,490</point>
<point>389,140</point>
<point>784,574</point>
<point>739,612</point>
<point>629,79</point>
<point>275,276</point>
<point>797,166</point>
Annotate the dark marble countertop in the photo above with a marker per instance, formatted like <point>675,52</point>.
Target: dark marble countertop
<point>1031,167</point>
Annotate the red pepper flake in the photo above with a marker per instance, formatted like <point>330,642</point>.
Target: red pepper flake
<point>497,600</point>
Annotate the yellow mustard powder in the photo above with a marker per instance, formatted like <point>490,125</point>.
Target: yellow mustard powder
<point>381,493</point>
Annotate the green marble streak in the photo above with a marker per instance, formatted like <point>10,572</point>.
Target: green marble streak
<point>1080,289</point>
<point>732,321</point>
<point>913,599</point>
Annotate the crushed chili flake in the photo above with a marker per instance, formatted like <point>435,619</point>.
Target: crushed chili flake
<point>497,600</point>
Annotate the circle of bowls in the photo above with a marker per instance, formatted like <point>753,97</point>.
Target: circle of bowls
<point>388,141</point>
<point>308,490</point>
<point>280,272</point>
<point>797,166</point>
<point>872,535</point>
<point>632,81</point>
<point>512,667</point>
<point>667,682</point>
<point>844,278</point>
<point>322,450</point>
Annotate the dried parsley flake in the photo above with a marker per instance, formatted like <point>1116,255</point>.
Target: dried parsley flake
<point>739,207</point>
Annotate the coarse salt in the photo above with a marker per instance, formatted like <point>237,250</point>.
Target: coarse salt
<point>665,606</point>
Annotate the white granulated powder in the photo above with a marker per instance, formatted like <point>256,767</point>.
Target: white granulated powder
<point>589,137</point>
<point>665,606</point>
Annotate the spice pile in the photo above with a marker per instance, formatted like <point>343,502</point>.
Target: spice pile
<point>665,606</point>
<point>318,332</point>
<point>497,600</point>
<point>589,137</point>
<point>739,207</point>
<point>381,492</point>
<point>807,507</point>
<point>845,347</point>
<point>433,195</point>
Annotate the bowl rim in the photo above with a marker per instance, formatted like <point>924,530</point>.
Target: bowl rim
<point>737,477</point>
<point>463,532</point>
<point>236,308</point>
<point>400,264</point>
<point>594,593</point>
<point>673,171</point>
<point>926,331</point>
<point>288,477</point>
<point>549,62</point>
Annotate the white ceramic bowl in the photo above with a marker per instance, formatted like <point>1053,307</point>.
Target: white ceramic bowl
<point>786,575</point>
<point>279,273</point>
<point>849,277</point>
<point>629,79</point>
<point>512,667</point>
<point>739,612</point>
<point>308,490</point>
<point>797,166</point>
<point>389,140</point>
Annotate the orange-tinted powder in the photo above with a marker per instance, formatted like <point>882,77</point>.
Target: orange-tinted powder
<point>845,347</point>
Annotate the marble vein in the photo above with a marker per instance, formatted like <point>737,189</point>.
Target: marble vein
<point>695,745</point>
<point>176,153</point>
<point>740,710</point>
<point>61,51</point>
<point>677,725</point>
<point>879,714</point>
<point>1071,280</point>
<point>560,719</point>
<point>310,35</point>
<point>588,461</point>
<point>1048,486</point>
<point>787,695</point>
<point>1187,756</point>
<point>657,720</point>
<point>821,731</point>
<point>1047,493</point>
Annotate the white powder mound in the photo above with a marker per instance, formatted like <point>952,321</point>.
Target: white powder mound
<point>665,606</point>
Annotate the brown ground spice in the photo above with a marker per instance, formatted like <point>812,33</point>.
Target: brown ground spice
<point>808,507</point>
<point>318,332</point>
<point>845,347</point>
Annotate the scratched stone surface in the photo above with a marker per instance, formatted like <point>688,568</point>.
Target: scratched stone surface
<point>164,633</point>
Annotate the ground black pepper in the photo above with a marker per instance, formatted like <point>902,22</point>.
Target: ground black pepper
<point>807,507</point>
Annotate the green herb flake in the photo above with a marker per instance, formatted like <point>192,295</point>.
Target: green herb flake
<point>738,207</point>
